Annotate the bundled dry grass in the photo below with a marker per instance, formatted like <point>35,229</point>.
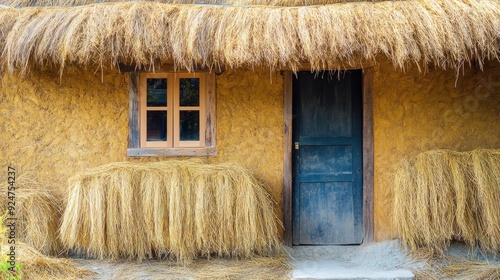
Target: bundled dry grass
<point>286,3</point>
<point>38,212</point>
<point>446,33</point>
<point>8,17</point>
<point>36,266</point>
<point>175,209</point>
<point>455,267</point>
<point>272,268</point>
<point>444,195</point>
<point>486,167</point>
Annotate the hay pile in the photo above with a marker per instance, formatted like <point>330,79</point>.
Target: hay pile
<point>38,212</point>
<point>444,33</point>
<point>288,3</point>
<point>443,195</point>
<point>269,268</point>
<point>8,18</point>
<point>36,266</point>
<point>455,267</point>
<point>174,209</point>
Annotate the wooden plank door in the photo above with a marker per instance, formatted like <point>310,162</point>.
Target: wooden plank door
<point>327,155</point>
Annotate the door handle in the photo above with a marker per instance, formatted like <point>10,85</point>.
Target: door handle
<point>296,145</point>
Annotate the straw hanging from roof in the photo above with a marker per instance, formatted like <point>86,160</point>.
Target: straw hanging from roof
<point>446,33</point>
<point>284,3</point>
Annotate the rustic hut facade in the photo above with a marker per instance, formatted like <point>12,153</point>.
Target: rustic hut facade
<point>82,86</point>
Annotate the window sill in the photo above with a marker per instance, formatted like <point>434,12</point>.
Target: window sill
<point>151,152</point>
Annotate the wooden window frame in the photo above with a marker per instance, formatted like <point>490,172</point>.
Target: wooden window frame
<point>143,77</point>
<point>368,157</point>
<point>138,146</point>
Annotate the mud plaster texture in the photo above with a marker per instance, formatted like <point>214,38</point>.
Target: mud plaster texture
<point>54,127</point>
<point>414,113</point>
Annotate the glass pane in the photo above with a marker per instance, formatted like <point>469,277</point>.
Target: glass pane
<point>189,126</point>
<point>190,92</point>
<point>156,126</point>
<point>157,92</point>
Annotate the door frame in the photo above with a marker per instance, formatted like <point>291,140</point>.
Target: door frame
<point>367,78</point>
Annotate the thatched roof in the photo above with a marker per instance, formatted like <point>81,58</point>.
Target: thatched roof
<point>284,3</point>
<point>446,33</point>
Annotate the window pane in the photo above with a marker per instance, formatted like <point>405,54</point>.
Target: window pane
<point>156,126</point>
<point>189,126</point>
<point>190,92</point>
<point>157,92</point>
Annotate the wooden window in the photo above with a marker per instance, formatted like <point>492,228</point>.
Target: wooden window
<point>172,114</point>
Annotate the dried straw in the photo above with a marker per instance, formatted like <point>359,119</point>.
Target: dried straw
<point>454,267</point>
<point>175,209</point>
<point>36,266</point>
<point>8,18</point>
<point>486,167</point>
<point>286,3</point>
<point>446,33</point>
<point>271,268</point>
<point>444,195</point>
<point>38,211</point>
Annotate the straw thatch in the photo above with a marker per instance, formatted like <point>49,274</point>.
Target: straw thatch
<point>36,266</point>
<point>444,195</point>
<point>455,267</point>
<point>7,19</point>
<point>269,268</point>
<point>174,209</point>
<point>286,3</point>
<point>446,33</point>
<point>38,212</point>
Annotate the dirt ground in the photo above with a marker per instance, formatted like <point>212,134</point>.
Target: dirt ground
<point>381,260</point>
<point>257,268</point>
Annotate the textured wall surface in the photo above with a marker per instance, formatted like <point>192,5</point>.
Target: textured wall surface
<point>53,128</point>
<point>415,113</point>
<point>250,125</point>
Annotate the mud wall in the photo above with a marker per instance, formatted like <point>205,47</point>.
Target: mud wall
<point>415,113</point>
<point>53,128</point>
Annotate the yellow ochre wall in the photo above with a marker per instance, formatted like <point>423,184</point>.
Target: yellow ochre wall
<point>52,128</point>
<point>414,113</point>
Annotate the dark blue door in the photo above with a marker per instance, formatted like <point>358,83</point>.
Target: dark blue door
<point>327,154</point>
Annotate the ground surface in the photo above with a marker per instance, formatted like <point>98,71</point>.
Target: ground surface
<point>384,260</point>
<point>381,261</point>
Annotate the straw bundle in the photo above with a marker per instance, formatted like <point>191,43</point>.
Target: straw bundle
<point>456,267</point>
<point>486,167</point>
<point>289,3</point>
<point>36,266</point>
<point>38,210</point>
<point>443,195</point>
<point>269,268</point>
<point>174,209</point>
<point>446,33</point>
<point>8,17</point>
